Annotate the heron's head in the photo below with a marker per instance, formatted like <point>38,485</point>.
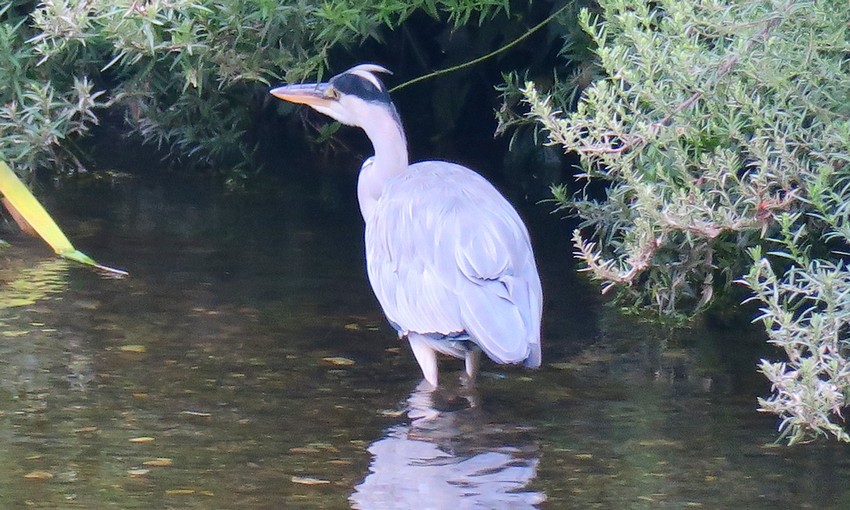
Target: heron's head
<point>353,97</point>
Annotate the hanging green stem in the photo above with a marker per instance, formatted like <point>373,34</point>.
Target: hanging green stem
<point>482,58</point>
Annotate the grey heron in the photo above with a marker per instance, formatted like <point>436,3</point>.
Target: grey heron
<point>448,257</point>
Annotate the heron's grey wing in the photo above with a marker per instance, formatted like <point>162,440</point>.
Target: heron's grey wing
<point>447,253</point>
<point>499,295</point>
<point>399,257</point>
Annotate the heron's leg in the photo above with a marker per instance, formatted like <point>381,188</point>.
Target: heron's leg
<point>425,356</point>
<point>420,404</point>
<point>472,360</point>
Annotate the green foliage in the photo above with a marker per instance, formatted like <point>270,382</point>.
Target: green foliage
<point>188,74</point>
<point>720,127</point>
<point>39,107</point>
<point>347,20</point>
<point>563,83</point>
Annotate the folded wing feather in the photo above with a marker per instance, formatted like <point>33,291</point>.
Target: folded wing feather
<point>447,253</point>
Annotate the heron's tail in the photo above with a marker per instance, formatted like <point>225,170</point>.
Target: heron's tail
<point>496,322</point>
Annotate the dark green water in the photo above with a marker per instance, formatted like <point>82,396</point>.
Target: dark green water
<point>214,377</point>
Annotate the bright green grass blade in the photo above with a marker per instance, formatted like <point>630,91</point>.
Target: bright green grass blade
<point>82,258</point>
<point>28,208</point>
<point>31,210</point>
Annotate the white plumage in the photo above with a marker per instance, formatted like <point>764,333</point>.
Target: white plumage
<point>447,254</point>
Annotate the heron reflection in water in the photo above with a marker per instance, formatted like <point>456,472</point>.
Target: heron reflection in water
<point>451,459</point>
<point>448,257</point>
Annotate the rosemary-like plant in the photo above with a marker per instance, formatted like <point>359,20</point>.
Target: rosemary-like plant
<point>721,127</point>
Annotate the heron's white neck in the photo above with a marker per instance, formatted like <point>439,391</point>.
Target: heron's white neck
<point>387,136</point>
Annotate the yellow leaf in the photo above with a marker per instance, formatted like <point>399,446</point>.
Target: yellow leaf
<point>199,414</point>
<point>139,349</point>
<point>338,361</point>
<point>143,439</point>
<point>306,480</point>
<point>137,473</point>
<point>159,462</point>
<point>564,366</point>
<point>304,449</point>
<point>179,492</point>
<point>38,475</point>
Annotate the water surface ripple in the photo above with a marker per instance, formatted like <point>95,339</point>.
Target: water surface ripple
<point>245,364</point>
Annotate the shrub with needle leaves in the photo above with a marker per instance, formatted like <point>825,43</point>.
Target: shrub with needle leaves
<point>189,74</point>
<point>721,132</point>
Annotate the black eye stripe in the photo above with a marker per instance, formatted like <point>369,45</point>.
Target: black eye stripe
<point>361,87</point>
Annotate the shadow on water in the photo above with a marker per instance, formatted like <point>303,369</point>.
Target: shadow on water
<point>245,364</point>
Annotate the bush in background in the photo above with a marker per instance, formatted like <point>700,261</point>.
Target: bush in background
<point>189,75</point>
<point>721,133</point>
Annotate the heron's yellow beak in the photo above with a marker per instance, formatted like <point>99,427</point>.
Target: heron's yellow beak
<point>312,94</point>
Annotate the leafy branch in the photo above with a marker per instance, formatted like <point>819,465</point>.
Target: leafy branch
<point>721,131</point>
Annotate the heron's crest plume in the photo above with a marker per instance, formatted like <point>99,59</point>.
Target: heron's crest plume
<point>368,71</point>
<point>362,82</point>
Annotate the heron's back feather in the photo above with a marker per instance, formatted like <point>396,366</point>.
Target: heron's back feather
<point>446,253</point>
